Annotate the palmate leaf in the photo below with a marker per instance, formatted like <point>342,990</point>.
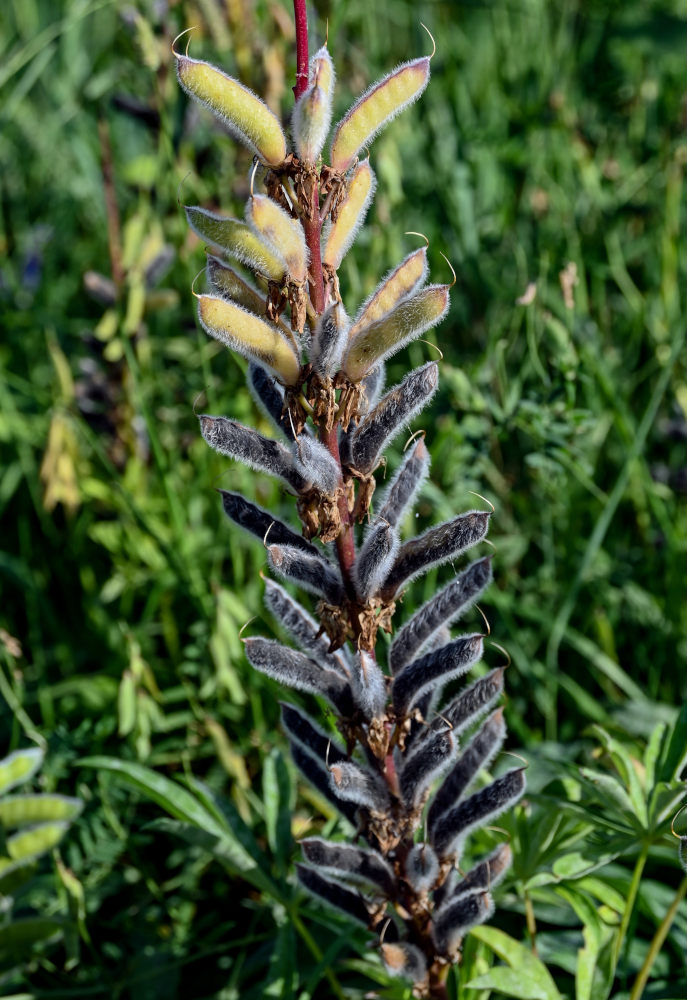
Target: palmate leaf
<point>526,976</point>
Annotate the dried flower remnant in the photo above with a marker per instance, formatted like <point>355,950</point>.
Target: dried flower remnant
<point>399,763</point>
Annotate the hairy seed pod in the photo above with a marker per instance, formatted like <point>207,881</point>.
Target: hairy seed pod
<point>435,547</point>
<point>394,286</point>
<point>375,108</point>
<point>298,671</point>
<point>239,241</point>
<point>421,867</point>
<point>351,863</point>
<point>244,114</point>
<point>404,487</point>
<point>328,340</point>
<point>423,765</point>
<point>484,877</point>
<point>316,464</point>
<point>313,573</point>
<point>434,670</point>
<point>315,771</point>
<point>305,732</point>
<point>249,336</point>
<point>375,559</point>
<point>404,960</point>
<point>456,919</point>
<point>252,518</point>
<point>245,445</point>
<point>471,703</point>
<point>362,448</point>
<point>352,212</point>
<point>412,317</point>
<point>302,627</point>
<point>368,686</point>
<point>269,397</point>
<point>441,610</point>
<point>312,114</point>
<point>477,810</point>
<point>285,235</point>
<point>479,753</point>
<point>373,387</point>
<point>357,784</point>
<point>226,282</point>
<point>334,894</point>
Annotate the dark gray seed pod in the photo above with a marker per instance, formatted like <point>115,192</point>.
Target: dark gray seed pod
<point>316,465</point>
<point>404,486</point>
<point>478,809</point>
<point>245,445</point>
<point>318,776</point>
<point>328,340</point>
<point>392,413</point>
<point>252,518</point>
<point>350,863</point>
<point>484,877</point>
<point>479,753</point>
<point>334,894</point>
<point>404,960</point>
<point>435,547</point>
<point>375,559</point>
<point>301,729</point>
<point>434,670</point>
<point>269,396</point>
<point>302,627</point>
<point>373,387</point>
<point>368,686</point>
<point>423,765</point>
<point>440,611</point>
<point>456,920</point>
<point>471,704</point>
<point>298,671</point>
<point>313,573</point>
<point>421,867</point>
<point>357,784</point>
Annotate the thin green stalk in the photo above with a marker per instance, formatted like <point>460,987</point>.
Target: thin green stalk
<point>657,943</point>
<point>630,903</point>
<point>316,953</point>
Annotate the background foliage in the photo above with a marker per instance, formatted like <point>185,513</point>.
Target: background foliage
<point>551,140</point>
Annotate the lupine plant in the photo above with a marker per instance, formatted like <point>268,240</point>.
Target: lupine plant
<point>399,767</point>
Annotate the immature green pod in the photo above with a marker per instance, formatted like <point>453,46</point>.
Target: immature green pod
<point>19,766</point>
<point>225,281</point>
<point>244,114</point>
<point>352,212</point>
<point>21,810</point>
<point>376,108</point>
<point>285,235</point>
<point>312,114</point>
<point>250,336</point>
<point>409,320</point>
<point>239,240</point>
<point>403,280</point>
<point>33,842</point>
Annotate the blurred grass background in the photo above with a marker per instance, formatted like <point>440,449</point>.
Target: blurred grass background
<point>546,160</point>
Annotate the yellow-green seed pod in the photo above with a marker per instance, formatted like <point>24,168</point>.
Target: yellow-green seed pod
<point>276,227</point>
<point>22,810</point>
<point>398,283</point>
<point>352,212</point>
<point>411,317</point>
<point>312,113</point>
<point>249,336</point>
<point>377,106</point>
<point>226,282</point>
<point>244,114</point>
<point>19,766</point>
<point>33,842</point>
<point>239,241</point>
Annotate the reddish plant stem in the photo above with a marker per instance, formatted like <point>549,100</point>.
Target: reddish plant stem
<point>301,19</point>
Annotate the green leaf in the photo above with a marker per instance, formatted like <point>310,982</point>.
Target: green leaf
<point>21,936</point>
<point>18,767</point>
<point>16,875</point>
<point>276,787</point>
<point>18,810</point>
<point>530,970</point>
<point>512,983</point>
<point>675,757</point>
<point>608,786</point>
<point>653,752</point>
<point>626,765</point>
<point>168,794</point>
